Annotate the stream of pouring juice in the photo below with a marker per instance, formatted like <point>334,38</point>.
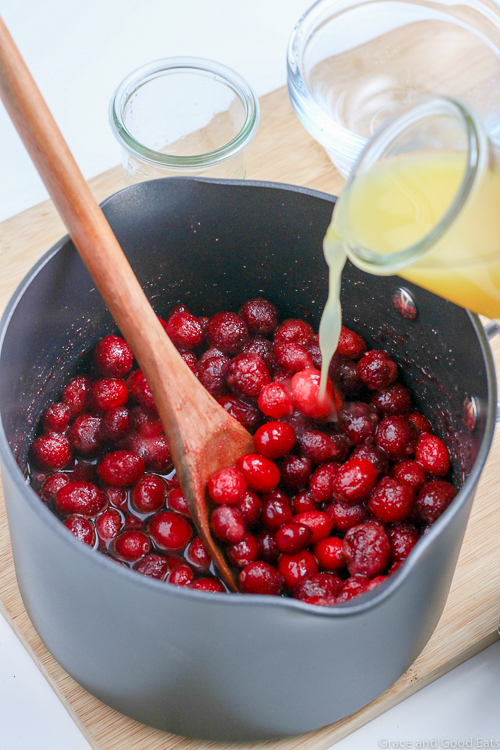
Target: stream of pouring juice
<point>396,203</point>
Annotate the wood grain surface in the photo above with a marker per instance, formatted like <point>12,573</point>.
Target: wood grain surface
<point>282,151</point>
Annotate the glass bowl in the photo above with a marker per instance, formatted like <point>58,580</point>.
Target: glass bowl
<point>351,65</point>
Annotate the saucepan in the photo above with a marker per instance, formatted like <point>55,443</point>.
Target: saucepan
<point>213,666</point>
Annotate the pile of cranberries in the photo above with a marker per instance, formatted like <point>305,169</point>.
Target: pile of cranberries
<point>338,491</point>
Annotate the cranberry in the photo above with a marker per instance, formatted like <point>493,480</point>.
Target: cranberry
<point>245,413</point>
<point>434,499</point>
<point>227,486</point>
<point>317,446</point>
<point>244,552</point>
<point>261,474</point>
<point>197,554</point>
<point>411,473</point>
<point>403,537</point>
<point>85,434</point>
<point>275,513</point>
<point>153,566</point>
<point>213,585</point>
<point>296,568</point>
<point>82,528</point>
<point>132,521</point>
<point>121,468</point>
<point>177,502</point>
<point>328,552</point>
<point>354,586</point>
<point>268,549</point>
<point>260,316</point>
<point>319,522</point>
<point>113,356</point>
<point>294,331</point>
<point>227,331</point>
<point>108,524</point>
<point>170,531</point>
<point>175,310</point>
<point>228,524</point>
<point>144,422</point>
<point>56,417</point>
<point>190,359</point>
<point>303,502</point>
<point>421,423</point>
<point>350,384</point>
<point>250,507</point>
<point>433,455</point>
<point>350,345</point>
<point>76,394</point>
<point>321,482</point>
<point>390,500</point>
<point>263,347</point>
<point>51,452</point>
<point>115,424</point>
<point>153,451</point>
<point>293,537</point>
<point>261,578</point>
<point>321,584</point>
<point>247,374</point>
<point>296,472</point>
<point>366,550</point>
<point>346,516</point>
<point>116,497</point>
<point>212,368</point>
<point>321,601</point>
<point>274,439</point>
<point>52,485</point>
<point>181,576</point>
<point>80,497</point>
<point>397,437</point>
<point>132,545</point>
<point>149,494</point>
<point>275,400</point>
<point>392,401</point>
<point>108,393</point>
<point>292,357</point>
<point>140,390</point>
<point>184,330</point>
<point>377,370</point>
<point>374,455</point>
<point>358,421</point>
<point>305,392</point>
<point>354,480</point>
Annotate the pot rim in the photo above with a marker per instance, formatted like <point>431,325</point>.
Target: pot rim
<point>347,609</point>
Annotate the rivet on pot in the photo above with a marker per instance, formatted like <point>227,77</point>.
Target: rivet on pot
<point>469,413</point>
<point>404,303</point>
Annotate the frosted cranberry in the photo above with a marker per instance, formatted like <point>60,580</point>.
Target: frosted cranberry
<point>261,474</point>
<point>113,357</point>
<point>374,455</point>
<point>83,498</point>
<point>321,482</point>
<point>108,524</point>
<point>275,400</point>
<point>354,480</point>
<point>411,473</point>
<point>350,384</point>
<point>149,494</point>
<point>375,582</point>
<point>292,357</point>
<point>317,446</point>
<point>51,452</point>
<point>434,499</point>
<point>170,531</point>
<point>377,370</point>
<point>352,587</point>
<point>153,566</point>
<point>85,434</point>
<point>397,437</point>
<point>140,390</point>
<point>394,567</point>
<point>82,528</point>
<point>305,392</point>
<point>262,347</point>
<point>403,537</point>
<point>350,345</point>
<point>294,331</point>
<point>275,513</point>
<point>212,368</point>
<point>184,330</point>
<point>328,553</point>
<point>393,400</point>
<point>213,585</point>
<point>227,486</point>
<point>52,485</point>
<point>433,455</point>
<point>303,502</point>
<point>177,502</point>
<point>319,522</point>
<point>116,423</point>
<point>243,552</point>
<point>358,421</point>
<point>181,576</point>
<point>321,584</point>
<point>76,394</point>
<point>293,537</point>
<point>116,497</point>
<point>154,451</point>
<point>247,374</point>
<point>108,393</point>
<point>321,601</point>
<point>261,578</point>
<point>227,332</point>
<point>420,422</point>
<point>246,414</point>
<point>175,310</point>
<point>121,469</point>
<point>227,524</point>
<point>250,507</point>
<point>145,422</point>
<point>296,472</point>
<point>268,549</point>
<point>296,568</point>
<point>131,545</point>
<point>390,500</point>
<point>274,439</point>
<point>260,315</point>
<point>190,359</point>
<point>366,549</point>
<point>197,554</point>
<point>56,417</point>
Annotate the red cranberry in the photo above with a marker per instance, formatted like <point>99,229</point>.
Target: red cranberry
<point>354,586</point>
<point>377,370</point>
<point>317,446</point>
<point>296,568</point>
<point>350,345</point>
<point>350,384</point>
<point>227,331</point>
<point>144,422</point>
<point>246,414</point>
<point>358,421</point>
<point>116,497</point>
<point>182,576</point>
<point>274,439</point>
<point>328,553</point>
<point>80,497</point>
<point>294,331</point>
<point>153,566</point>
<point>403,537</point>
<point>263,347</point>
<point>305,392</point>
<point>149,494</point>
<point>397,437</point>
<point>56,417</point>
<point>260,316</point>
<point>321,601</point>
<point>354,480</point>
<point>113,357</point>
<point>296,472</point>
<point>319,522</point>
<point>261,578</point>
<point>170,531</point>
<point>184,330</point>
<point>250,507</point>
<point>85,434</point>
<point>227,524</point>
<point>303,502</point>
<point>374,455</point>
<point>292,357</point>
<point>121,469</point>
<point>321,584</point>
<point>227,486</point>
<point>116,423</point>
<point>82,528</point>
<point>247,375</point>
<point>175,310</point>
<point>51,452</point>
<point>390,500</point>
<point>261,474</point>
<point>421,423</point>
<point>411,473</point>
<point>140,390</point>
<point>132,545</point>
<point>107,394</point>
<point>190,359</point>
<point>392,401</point>
<point>293,537</point>
<point>244,552</point>
<point>52,485</point>
<point>76,394</point>
<point>213,585</point>
<point>275,513</point>
<point>275,400</point>
<point>132,521</point>
<point>366,550</point>
<point>212,368</point>
<point>433,455</point>
<point>434,499</point>
<point>177,502</point>
<point>108,524</point>
<point>346,516</point>
<point>197,554</point>
<point>154,451</point>
<point>321,483</point>
<point>268,549</point>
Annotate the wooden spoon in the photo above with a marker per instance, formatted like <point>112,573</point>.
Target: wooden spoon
<point>202,436</point>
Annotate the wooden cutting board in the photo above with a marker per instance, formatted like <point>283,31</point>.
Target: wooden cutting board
<point>282,151</point>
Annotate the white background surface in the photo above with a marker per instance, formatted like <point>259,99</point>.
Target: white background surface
<point>78,52</point>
